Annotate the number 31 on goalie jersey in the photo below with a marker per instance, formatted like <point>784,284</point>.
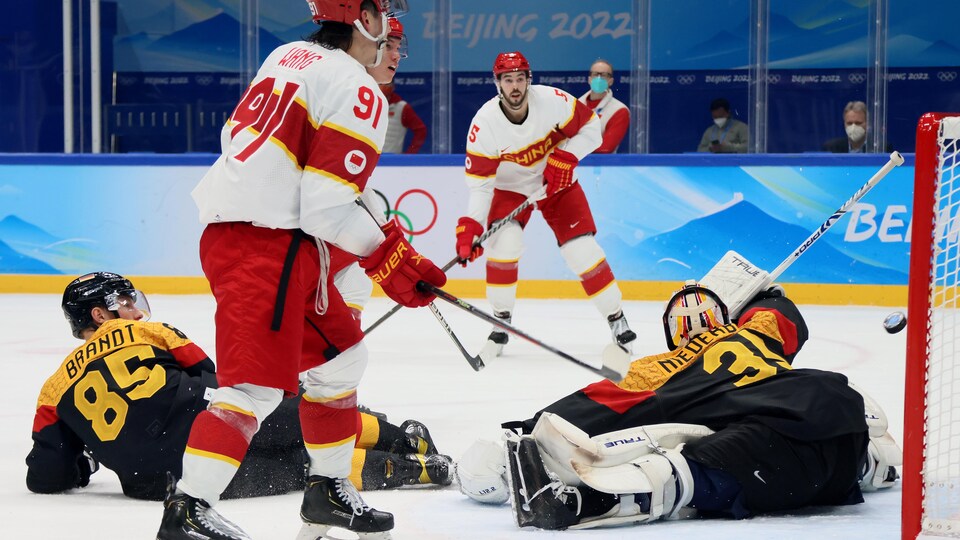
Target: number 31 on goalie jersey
<point>747,355</point>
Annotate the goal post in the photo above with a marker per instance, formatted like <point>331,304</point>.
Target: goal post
<point>931,438</point>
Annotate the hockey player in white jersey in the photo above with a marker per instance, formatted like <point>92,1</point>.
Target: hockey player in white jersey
<point>528,137</point>
<point>297,152</point>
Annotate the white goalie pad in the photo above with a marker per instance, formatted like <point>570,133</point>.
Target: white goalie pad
<point>560,442</point>
<point>883,456</point>
<point>736,281</point>
<point>664,476</point>
<point>872,413</point>
<point>482,473</point>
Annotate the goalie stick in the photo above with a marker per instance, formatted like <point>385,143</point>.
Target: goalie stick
<point>604,371</point>
<point>494,227</point>
<point>737,281</point>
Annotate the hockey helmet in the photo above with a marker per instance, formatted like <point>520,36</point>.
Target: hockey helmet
<point>510,62</point>
<point>396,31</point>
<point>691,311</point>
<point>98,289</point>
<point>348,11</point>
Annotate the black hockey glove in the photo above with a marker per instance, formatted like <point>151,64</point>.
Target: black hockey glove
<point>87,466</point>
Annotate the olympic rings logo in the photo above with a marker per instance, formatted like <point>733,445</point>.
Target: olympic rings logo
<point>402,219</point>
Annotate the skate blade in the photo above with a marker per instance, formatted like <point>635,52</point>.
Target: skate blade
<point>316,531</point>
<point>490,351</point>
<point>617,359</point>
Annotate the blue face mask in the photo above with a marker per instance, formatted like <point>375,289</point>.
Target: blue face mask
<point>599,85</point>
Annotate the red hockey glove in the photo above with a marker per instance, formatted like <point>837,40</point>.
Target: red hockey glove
<point>468,230</point>
<point>558,174</point>
<point>397,268</point>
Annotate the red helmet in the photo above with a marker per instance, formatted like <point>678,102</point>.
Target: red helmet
<point>396,28</point>
<point>347,11</point>
<point>509,62</point>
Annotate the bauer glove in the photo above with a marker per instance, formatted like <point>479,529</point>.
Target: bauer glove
<point>468,230</point>
<point>558,174</point>
<point>397,268</point>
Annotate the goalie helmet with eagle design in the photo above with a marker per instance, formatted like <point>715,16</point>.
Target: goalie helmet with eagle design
<point>691,311</point>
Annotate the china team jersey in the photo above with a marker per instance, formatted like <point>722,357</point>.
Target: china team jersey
<point>511,157</point>
<point>305,136</point>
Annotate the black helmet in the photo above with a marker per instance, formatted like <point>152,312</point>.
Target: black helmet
<point>92,290</point>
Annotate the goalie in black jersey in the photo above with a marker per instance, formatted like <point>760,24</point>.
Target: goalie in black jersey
<point>722,424</point>
<point>127,397</point>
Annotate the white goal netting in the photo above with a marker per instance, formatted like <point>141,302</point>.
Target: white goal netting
<point>941,462</point>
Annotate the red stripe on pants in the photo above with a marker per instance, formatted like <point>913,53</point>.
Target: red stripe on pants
<point>597,279</point>
<point>212,434</point>
<point>322,424</point>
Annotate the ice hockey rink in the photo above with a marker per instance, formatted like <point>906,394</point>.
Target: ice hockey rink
<point>416,372</point>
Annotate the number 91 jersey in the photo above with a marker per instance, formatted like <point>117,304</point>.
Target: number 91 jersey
<point>307,133</point>
<point>129,395</point>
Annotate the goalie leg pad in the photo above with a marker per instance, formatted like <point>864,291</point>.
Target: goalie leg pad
<point>883,457</point>
<point>663,476</point>
<point>537,498</point>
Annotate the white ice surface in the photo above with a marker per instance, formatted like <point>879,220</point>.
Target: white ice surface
<point>415,372</point>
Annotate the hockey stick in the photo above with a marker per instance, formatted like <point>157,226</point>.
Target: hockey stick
<point>475,362</point>
<point>604,371</point>
<point>895,161</point>
<point>737,281</point>
<point>494,227</point>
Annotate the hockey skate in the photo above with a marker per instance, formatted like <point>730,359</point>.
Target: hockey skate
<point>434,469</point>
<point>189,518</point>
<point>623,336</point>
<point>418,438</point>
<point>497,338</point>
<point>334,503</point>
<point>537,497</point>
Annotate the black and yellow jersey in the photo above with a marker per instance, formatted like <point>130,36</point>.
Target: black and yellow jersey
<point>128,395</point>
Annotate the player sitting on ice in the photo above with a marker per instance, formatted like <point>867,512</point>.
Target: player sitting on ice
<point>127,397</point>
<point>722,424</point>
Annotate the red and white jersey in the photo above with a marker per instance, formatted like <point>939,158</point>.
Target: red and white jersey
<point>511,157</point>
<point>304,138</point>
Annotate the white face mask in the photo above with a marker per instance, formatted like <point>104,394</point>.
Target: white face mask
<point>855,132</point>
<point>720,122</point>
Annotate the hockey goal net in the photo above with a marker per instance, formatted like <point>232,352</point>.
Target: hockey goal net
<point>931,464</point>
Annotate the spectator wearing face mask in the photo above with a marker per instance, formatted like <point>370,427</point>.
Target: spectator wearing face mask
<point>727,135</point>
<point>855,124</point>
<point>614,115</point>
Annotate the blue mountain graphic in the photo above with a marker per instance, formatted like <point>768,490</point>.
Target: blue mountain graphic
<point>12,262</point>
<point>32,242</point>
<point>213,42</point>
<point>15,231</point>
<point>689,251</point>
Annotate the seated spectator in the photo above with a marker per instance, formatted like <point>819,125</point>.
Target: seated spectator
<point>856,126</point>
<point>727,135</point>
<point>614,115</point>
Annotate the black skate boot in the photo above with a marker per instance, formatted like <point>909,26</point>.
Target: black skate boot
<point>622,334</point>
<point>434,469</point>
<point>497,338</point>
<point>538,499</point>
<point>418,438</point>
<point>188,518</point>
<point>334,502</point>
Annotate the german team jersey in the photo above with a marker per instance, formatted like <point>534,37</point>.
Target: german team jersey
<point>511,157</point>
<point>128,395</point>
<point>305,136</point>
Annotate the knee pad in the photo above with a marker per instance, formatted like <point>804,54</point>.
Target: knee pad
<point>582,253</point>
<point>258,401</point>
<point>338,376</point>
<point>506,244</point>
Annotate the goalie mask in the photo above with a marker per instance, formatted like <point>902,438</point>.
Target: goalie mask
<point>100,289</point>
<point>690,312</point>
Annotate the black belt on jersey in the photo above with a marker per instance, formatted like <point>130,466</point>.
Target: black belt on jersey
<point>285,279</point>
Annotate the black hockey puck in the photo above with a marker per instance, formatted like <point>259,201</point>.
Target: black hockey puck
<point>895,322</point>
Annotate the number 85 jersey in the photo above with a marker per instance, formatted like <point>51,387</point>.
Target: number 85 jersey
<point>129,395</point>
<point>305,136</point>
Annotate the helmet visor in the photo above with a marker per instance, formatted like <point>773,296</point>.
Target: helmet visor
<point>128,303</point>
<point>394,8</point>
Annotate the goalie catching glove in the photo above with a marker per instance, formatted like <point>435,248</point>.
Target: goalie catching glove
<point>558,174</point>
<point>468,230</point>
<point>397,268</point>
